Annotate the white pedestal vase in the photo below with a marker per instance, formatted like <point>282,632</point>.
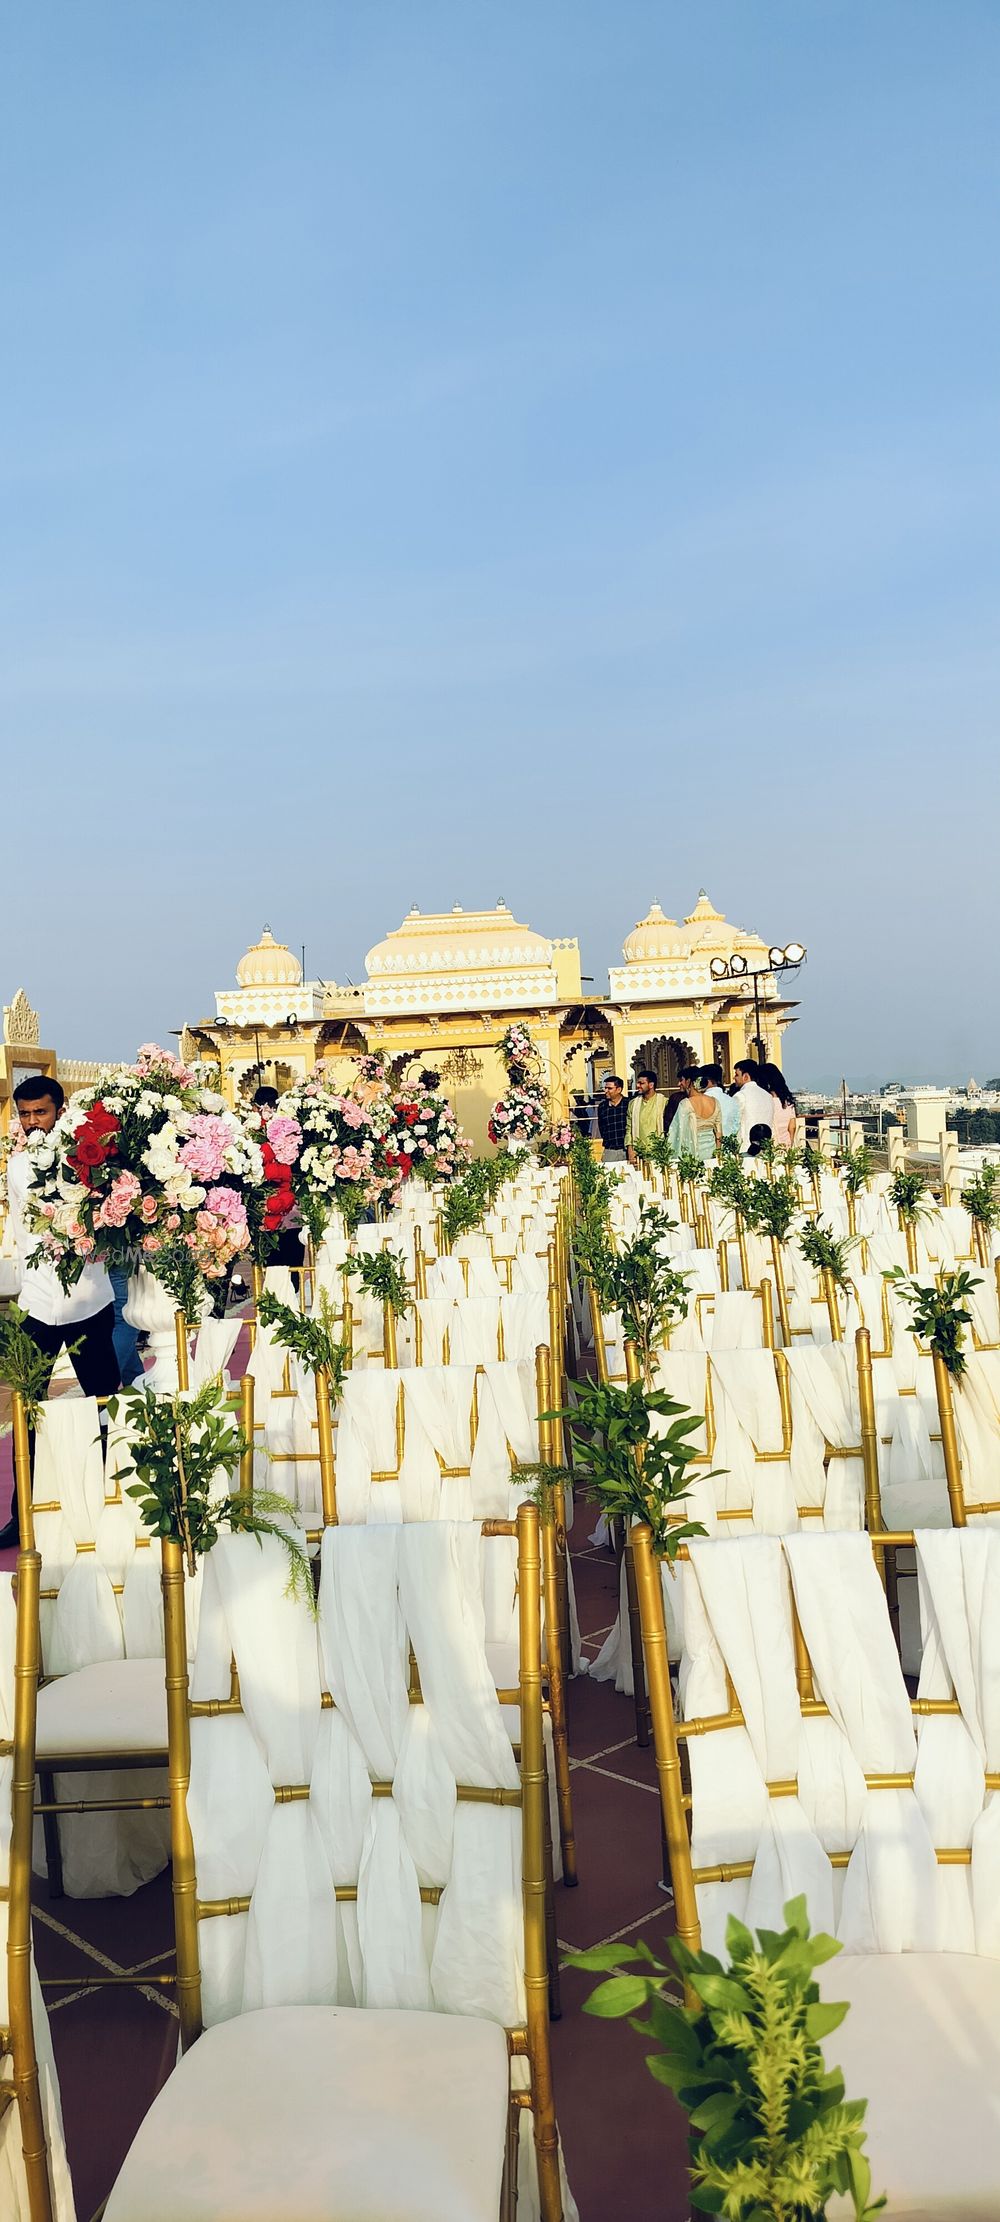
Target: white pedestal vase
<point>152,1310</point>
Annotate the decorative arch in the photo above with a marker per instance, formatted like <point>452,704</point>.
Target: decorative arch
<point>665,1054</point>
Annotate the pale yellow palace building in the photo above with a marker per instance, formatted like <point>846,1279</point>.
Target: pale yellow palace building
<point>442,987</point>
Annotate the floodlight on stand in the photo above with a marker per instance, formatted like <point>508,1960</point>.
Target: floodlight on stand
<point>794,953</point>
<point>718,968</point>
<point>737,966</point>
<point>776,957</point>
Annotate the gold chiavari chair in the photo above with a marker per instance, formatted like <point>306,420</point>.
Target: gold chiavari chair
<point>388,2071</point>
<point>554,1556</point>
<point>879,2031</point>
<point>106,1716</point>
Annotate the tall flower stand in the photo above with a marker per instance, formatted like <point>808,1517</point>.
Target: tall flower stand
<point>152,1310</point>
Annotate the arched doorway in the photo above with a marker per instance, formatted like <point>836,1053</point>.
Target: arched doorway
<point>665,1055</point>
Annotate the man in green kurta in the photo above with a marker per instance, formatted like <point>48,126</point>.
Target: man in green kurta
<point>646,1116</point>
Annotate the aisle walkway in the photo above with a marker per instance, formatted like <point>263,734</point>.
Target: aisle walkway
<point>623,2137</point>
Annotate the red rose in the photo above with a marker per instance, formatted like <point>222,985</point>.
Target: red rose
<point>101,1121</point>
<point>404,1162</point>
<point>89,1150</point>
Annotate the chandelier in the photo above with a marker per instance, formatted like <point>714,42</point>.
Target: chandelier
<point>462,1066</point>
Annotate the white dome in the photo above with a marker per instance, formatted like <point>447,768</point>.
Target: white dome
<point>269,964</point>
<point>654,937</point>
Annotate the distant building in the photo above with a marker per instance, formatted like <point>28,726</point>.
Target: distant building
<point>443,986</point>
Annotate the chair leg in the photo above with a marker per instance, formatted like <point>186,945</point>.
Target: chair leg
<point>551,1941</point>
<point>641,1700</point>
<point>508,2188</point>
<point>50,1833</point>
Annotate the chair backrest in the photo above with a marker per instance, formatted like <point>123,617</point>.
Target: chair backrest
<point>427,1442</point>
<point>805,1767</point>
<point>99,1596</point>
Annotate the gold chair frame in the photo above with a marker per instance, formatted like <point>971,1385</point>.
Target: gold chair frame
<point>531,2040</point>
<point>670,1734</point>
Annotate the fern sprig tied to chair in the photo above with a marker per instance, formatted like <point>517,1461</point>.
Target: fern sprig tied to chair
<point>813,1160</point>
<point>728,1184</point>
<point>908,1196</point>
<point>939,1315</point>
<point>690,1167</point>
<point>772,1206</point>
<point>382,1274</point>
<point>182,1448</point>
<point>856,1169</point>
<point>981,1197</point>
<point>630,1472</point>
<point>772,2135</point>
<point>827,1252</point>
<point>311,1337</point>
<point>645,1286</point>
<point>23,1367</point>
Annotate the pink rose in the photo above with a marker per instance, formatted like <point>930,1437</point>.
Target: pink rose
<point>151,1242</point>
<point>149,1208</point>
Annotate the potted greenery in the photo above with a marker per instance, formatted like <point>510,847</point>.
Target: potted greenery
<point>772,2135</point>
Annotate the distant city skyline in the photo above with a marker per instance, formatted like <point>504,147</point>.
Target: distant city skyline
<point>550,450</point>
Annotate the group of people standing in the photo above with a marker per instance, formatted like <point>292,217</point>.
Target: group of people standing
<point>698,1112</point>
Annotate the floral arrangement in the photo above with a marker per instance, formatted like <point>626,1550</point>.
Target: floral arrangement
<point>325,1153</point>
<point>555,1148</point>
<point>424,1137</point>
<point>522,1114</point>
<point>148,1166</point>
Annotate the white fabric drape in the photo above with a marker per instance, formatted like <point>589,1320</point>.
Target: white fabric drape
<point>890,1897</point>
<point>959,1577</point>
<point>103,1854</point>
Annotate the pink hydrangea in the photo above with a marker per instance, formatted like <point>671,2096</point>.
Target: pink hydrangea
<point>353,1113</point>
<point>226,1205</point>
<point>285,1137</point>
<point>203,1153</point>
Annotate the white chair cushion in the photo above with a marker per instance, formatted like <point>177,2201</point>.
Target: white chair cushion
<point>922,2044</point>
<point>325,2114</point>
<point>119,1705</point>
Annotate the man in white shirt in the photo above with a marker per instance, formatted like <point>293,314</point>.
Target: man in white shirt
<point>83,1315</point>
<point>756,1102</point>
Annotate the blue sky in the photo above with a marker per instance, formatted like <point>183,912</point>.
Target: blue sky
<point>548,449</point>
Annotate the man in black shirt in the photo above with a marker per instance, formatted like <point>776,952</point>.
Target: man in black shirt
<point>612,1117</point>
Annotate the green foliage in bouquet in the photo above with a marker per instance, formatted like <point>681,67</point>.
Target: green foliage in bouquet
<point>383,1274</point>
<point>772,1206</point>
<point>938,1313</point>
<point>981,1197</point>
<point>908,1196</point>
<point>22,1365</point>
<point>825,1252</point>
<point>772,2135</point>
<point>856,1169</point>
<point>312,1337</point>
<point>610,1426</point>
<point>182,1449</point>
